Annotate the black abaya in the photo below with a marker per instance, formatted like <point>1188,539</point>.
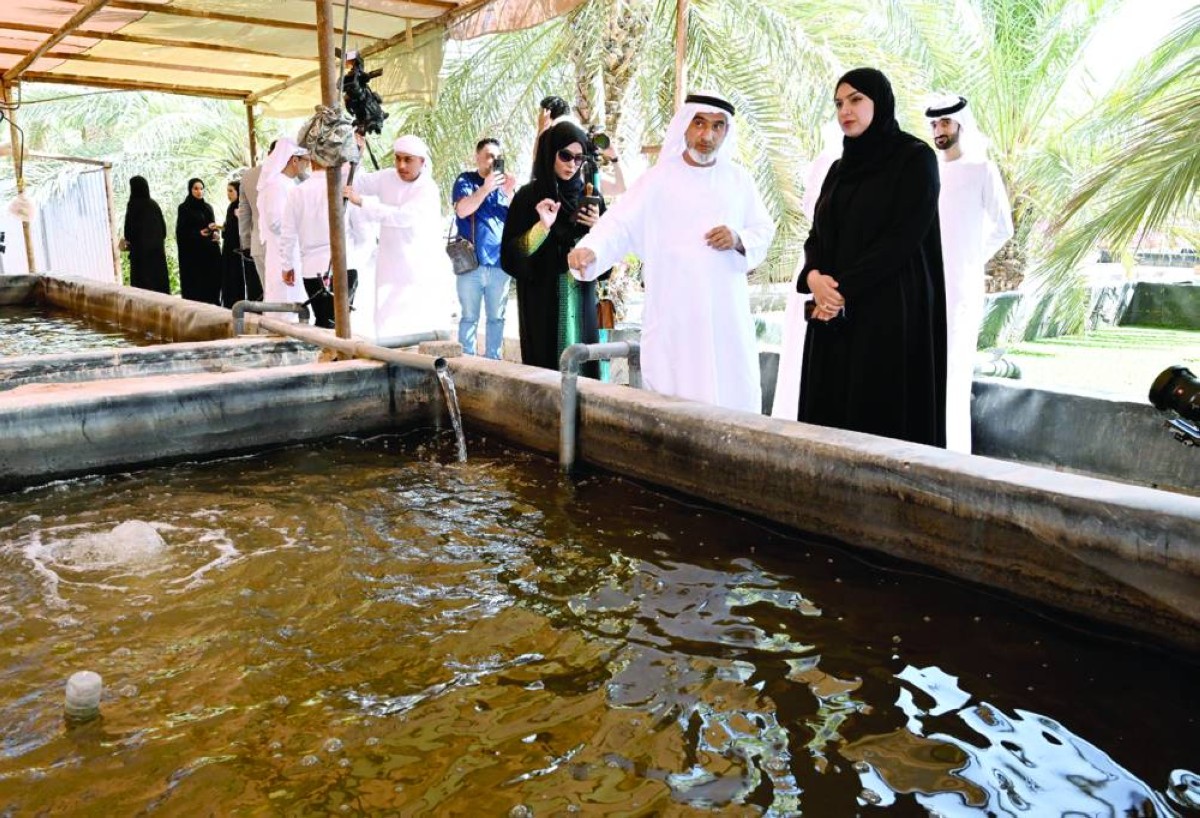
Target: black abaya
<point>199,255</point>
<point>881,367</point>
<point>541,275</point>
<point>233,262</point>
<point>145,232</point>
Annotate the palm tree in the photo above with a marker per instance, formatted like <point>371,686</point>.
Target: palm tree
<point>1147,171</point>
<point>167,139</point>
<point>1018,62</point>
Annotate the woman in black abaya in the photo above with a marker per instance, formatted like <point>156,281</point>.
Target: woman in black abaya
<point>145,232</point>
<point>545,220</point>
<point>233,260</point>
<point>196,234</point>
<point>875,352</point>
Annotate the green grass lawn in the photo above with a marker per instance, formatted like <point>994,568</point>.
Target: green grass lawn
<point>1114,361</point>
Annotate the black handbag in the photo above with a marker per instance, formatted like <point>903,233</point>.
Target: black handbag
<point>462,251</point>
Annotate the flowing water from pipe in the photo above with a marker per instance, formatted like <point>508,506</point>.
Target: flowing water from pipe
<point>447,382</point>
<point>361,628</point>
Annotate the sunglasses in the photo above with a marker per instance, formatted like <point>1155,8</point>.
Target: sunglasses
<point>574,158</point>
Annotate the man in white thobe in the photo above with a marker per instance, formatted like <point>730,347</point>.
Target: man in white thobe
<point>976,221</point>
<point>414,283</point>
<point>699,225</point>
<point>786,403</point>
<point>249,221</point>
<point>305,235</point>
<point>286,163</point>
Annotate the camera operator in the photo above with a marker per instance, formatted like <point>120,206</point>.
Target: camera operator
<point>481,198</point>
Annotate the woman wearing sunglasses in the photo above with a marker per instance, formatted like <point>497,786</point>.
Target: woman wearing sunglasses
<point>545,220</point>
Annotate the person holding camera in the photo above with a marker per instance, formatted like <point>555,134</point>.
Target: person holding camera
<point>547,217</point>
<point>698,222</point>
<point>481,200</point>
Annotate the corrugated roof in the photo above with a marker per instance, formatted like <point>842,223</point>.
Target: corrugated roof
<point>259,51</point>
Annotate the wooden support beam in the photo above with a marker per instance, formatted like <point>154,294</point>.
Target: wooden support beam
<point>138,85</point>
<point>114,233</point>
<point>330,70</point>
<point>222,17</point>
<point>165,42</point>
<point>201,69</point>
<point>253,136</point>
<point>18,159</point>
<point>77,19</point>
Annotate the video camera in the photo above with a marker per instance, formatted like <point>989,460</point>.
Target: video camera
<point>363,103</point>
<point>1176,391</point>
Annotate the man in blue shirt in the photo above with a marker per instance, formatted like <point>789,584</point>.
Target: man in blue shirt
<point>481,198</point>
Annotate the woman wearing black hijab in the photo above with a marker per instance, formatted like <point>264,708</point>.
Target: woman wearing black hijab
<point>145,232</point>
<point>233,260</point>
<point>545,220</point>
<point>196,233</point>
<point>875,352</point>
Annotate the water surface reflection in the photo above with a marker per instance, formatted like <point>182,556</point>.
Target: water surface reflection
<point>34,330</point>
<point>367,627</point>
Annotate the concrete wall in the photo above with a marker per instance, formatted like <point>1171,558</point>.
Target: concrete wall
<point>1122,554</point>
<point>164,317</point>
<point>1124,440</point>
<point>1119,553</point>
<point>49,431</point>
<point>209,356</point>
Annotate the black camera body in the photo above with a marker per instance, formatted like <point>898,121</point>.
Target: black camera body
<point>1176,391</point>
<point>363,103</point>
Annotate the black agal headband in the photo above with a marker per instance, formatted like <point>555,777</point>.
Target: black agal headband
<point>954,108</point>
<point>716,102</point>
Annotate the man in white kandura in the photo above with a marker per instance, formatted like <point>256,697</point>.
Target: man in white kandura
<point>287,163</point>
<point>699,225</point>
<point>306,236</point>
<point>786,403</point>
<point>414,286</point>
<point>976,221</point>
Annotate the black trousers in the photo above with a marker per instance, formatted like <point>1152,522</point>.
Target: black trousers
<point>321,299</point>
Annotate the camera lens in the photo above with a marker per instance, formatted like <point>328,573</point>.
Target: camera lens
<point>1177,389</point>
<point>601,141</point>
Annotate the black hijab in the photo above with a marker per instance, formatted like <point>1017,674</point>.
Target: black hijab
<point>567,192</point>
<point>139,188</point>
<point>883,137</point>
<point>198,206</point>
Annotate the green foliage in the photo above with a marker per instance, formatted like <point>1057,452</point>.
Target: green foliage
<point>1079,170</point>
<point>1147,168</point>
<point>167,139</point>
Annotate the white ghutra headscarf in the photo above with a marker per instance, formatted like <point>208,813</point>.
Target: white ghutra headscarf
<point>700,102</point>
<point>971,140</point>
<point>285,149</point>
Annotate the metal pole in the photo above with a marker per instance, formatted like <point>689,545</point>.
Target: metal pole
<point>253,136</point>
<point>681,7</point>
<point>113,232</point>
<point>333,176</point>
<point>18,150</point>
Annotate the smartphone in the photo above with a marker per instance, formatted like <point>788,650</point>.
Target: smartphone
<point>592,201</point>
<point>498,165</point>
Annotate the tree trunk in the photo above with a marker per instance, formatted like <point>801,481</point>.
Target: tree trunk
<point>623,34</point>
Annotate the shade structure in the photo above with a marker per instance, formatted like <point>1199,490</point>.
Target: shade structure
<point>261,51</point>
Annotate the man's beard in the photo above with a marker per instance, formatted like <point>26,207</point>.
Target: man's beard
<point>700,157</point>
<point>945,142</point>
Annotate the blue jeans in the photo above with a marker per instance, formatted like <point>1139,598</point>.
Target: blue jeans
<point>489,284</point>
